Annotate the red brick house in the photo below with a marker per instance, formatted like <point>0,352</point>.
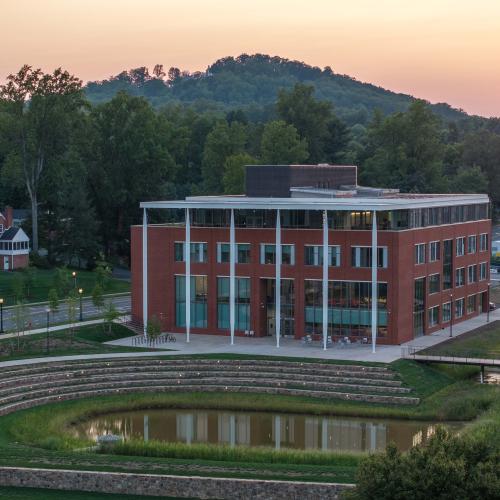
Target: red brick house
<point>14,243</point>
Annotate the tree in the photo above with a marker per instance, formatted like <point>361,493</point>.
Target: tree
<point>98,296</point>
<point>234,173</point>
<point>41,108</point>
<point>447,467</point>
<point>103,275</point>
<point>158,71</point>
<point>61,281</point>
<point>29,279</point>
<point>406,151</point>
<point>21,319</point>
<point>110,315</point>
<point>309,116</point>
<point>469,180</point>
<point>53,300</point>
<point>19,286</point>
<point>223,141</point>
<point>281,144</point>
<point>153,328</point>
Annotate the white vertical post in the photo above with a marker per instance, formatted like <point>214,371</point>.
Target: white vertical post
<point>187,259</point>
<point>325,278</point>
<point>232,280</point>
<point>277,432</point>
<point>277,301</point>
<point>146,428</point>
<point>145,271</point>
<point>232,430</point>
<point>374,280</point>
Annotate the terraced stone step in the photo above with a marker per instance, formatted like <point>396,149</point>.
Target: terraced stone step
<point>296,367</point>
<point>207,378</point>
<point>228,371</point>
<point>57,394</point>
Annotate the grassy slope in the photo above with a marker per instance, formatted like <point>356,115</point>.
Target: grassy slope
<point>483,342</point>
<point>86,340</point>
<point>44,281</point>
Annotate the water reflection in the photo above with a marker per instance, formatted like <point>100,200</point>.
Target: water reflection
<point>261,429</point>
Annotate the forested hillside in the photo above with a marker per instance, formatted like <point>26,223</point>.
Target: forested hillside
<point>83,167</point>
<point>252,83</point>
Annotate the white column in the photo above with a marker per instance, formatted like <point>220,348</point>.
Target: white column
<point>146,428</point>
<point>277,320</point>
<point>324,434</point>
<point>145,271</point>
<point>187,259</point>
<point>277,432</point>
<point>232,279</point>
<point>325,278</point>
<point>232,431</point>
<point>374,280</point>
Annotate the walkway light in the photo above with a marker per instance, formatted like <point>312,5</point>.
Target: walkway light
<point>1,315</point>
<point>80,292</point>
<point>74,278</point>
<point>451,315</point>
<point>488,305</point>
<point>47,310</point>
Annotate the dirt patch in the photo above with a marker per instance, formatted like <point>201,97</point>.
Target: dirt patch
<point>25,345</point>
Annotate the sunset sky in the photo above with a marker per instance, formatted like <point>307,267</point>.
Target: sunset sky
<point>440,50</point>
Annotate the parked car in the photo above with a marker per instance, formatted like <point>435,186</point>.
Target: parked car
<point>493,306</point>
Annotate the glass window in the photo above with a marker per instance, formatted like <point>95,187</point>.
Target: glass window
<point>433,316</point>
<point>483,242</point>
<point>460,277</point>
<point>471,244</point>
<point>434,283</point>
<point>446,312</point>
<point>460,246</point>
<point>434,251</point>
<point>471,304</point>
<point>313,255</point>
<point>447,264</point>
<point>419,307</point>
<point>472,273</point>
<point>459,308</point>
<point>483,271</point>
<point>268,254</point>
<point>242,303</point>
<point>362,256</point>
<point>198,252</point>
<point>420,253</point>
<point>198,299</point>
<point>242,253</point>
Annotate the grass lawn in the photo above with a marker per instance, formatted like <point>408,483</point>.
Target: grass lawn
<point>43,281</point>
<point>483,342</point>
<point>43,494</point>
<point>86,340</point>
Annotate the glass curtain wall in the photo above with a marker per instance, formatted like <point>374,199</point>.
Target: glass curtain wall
<point>349,308</point>
<point>242,306</point>
<point>199,308</point>
<point>419,308</point>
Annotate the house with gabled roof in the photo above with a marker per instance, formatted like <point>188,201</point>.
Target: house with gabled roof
<point>14,243</point>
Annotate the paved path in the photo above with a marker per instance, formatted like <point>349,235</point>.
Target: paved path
<point>37,315</point>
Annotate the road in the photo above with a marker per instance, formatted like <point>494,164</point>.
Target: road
<point>37,314</point>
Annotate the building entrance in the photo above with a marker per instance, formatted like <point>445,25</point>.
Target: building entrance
<point>268,304</point>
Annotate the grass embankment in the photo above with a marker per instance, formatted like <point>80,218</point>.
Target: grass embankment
<point>483,342</point>
<point>44,279</point>
<point>85,340</point>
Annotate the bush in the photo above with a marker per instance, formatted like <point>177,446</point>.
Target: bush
<point>39,261</point>
<point>447,467</point>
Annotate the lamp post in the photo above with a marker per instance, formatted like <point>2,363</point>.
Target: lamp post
<point>451,315</point>
<point>488,305</point>
<point>47,310</point>
<point>80,292</point>
<point>74,279</point>
<point>1,315</point>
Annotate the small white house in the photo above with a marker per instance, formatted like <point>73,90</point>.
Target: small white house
<point>14,249</point>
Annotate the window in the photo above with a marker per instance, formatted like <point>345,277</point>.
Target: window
<point>419,307</point>
<point>362,256</point>
<point>447,264</point>
<point>472,273</point>
<point>460,246</point>
<point>434,283</point>
<point>446,312</point>
<point>313,255</point>
<point>242,253</point>
<point>420,253</point>
<point>268,254</point>
<point>483,271</point>
<point>460,276</point>
<point>471,304</point>
<point>433,316</point>
<point>1,228</point>
<point>198,252</point>
<point>483,242</point>
<point>459,308</point>
<point>471,244</point>
<point>198,309</point>
<point>434,251</point>
<point>242,303</point>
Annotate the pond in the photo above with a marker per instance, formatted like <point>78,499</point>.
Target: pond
<point>239,428</point>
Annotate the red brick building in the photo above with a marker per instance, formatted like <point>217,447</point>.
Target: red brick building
<point>432,265</point>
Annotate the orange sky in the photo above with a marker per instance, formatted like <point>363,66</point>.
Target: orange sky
<point>441,50</point>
